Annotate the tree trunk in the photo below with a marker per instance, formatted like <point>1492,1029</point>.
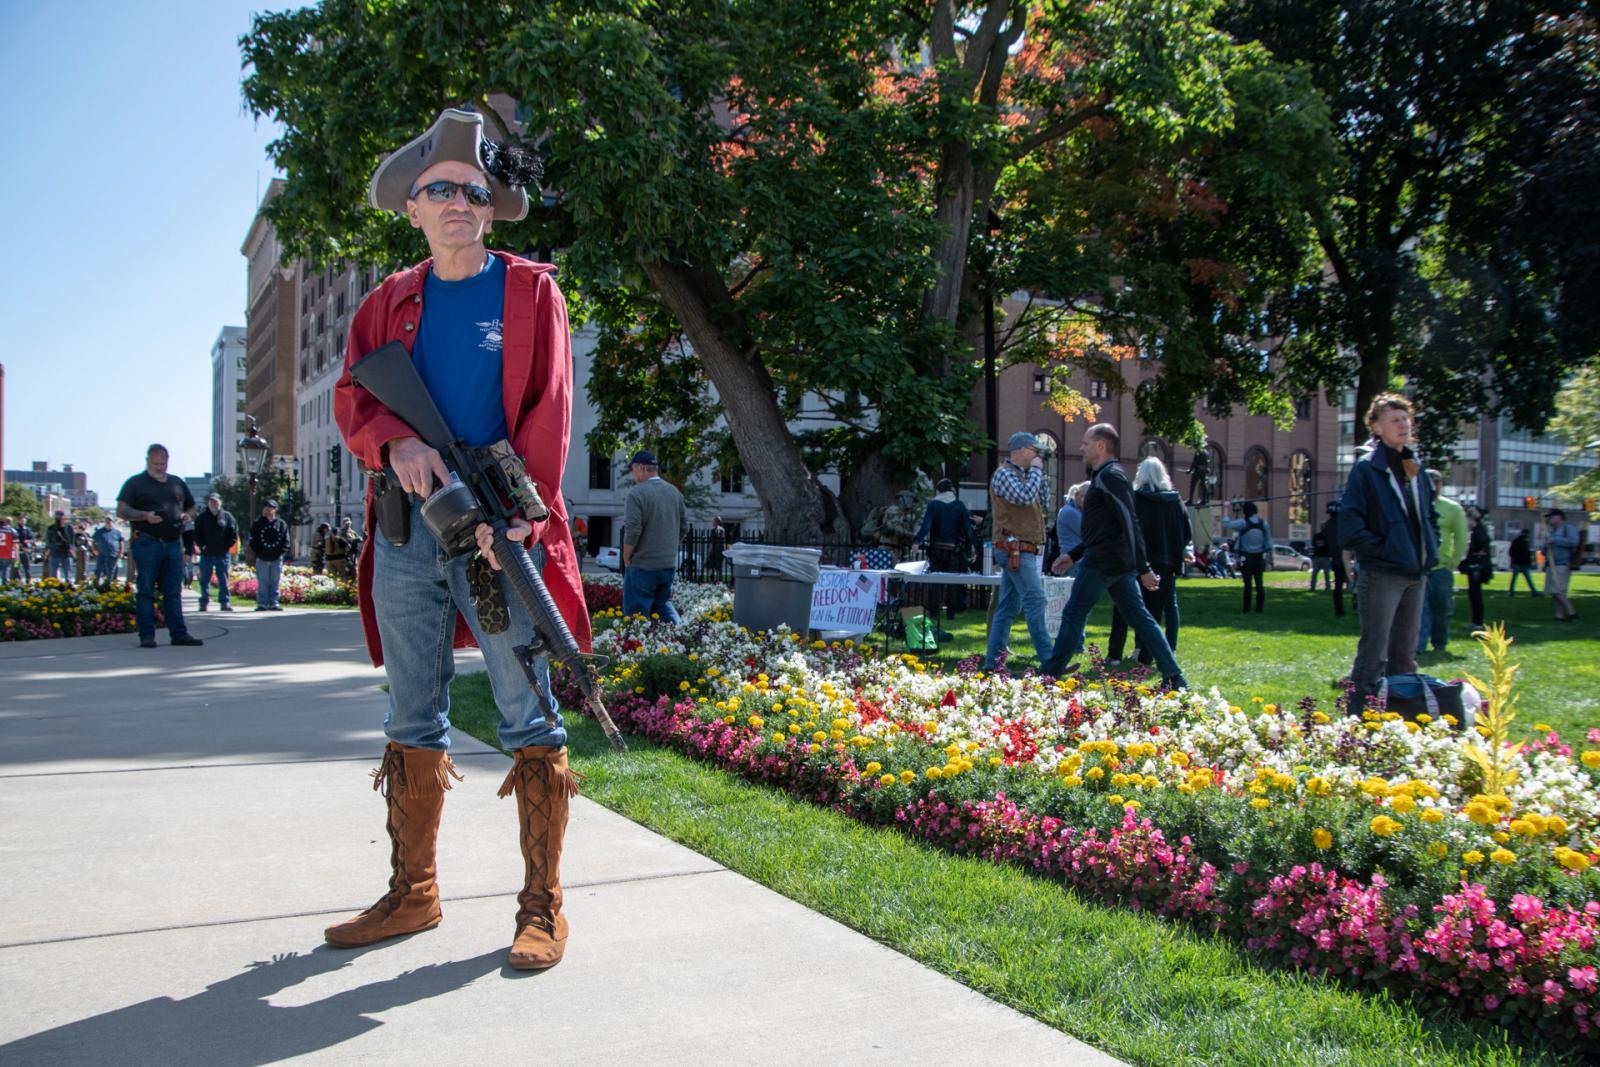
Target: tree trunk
<point>953,213</point>
<point>870,484</point>
<point>1376,353</point>
<point>791,500</point>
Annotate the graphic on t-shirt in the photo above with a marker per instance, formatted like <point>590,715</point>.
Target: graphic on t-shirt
<point>491,335</point>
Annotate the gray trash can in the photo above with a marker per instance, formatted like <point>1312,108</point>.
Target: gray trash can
<point>764,598</point>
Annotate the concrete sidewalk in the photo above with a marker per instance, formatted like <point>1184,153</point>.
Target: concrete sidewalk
<point>179,824</point>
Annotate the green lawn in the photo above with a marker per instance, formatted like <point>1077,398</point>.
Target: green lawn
<point>1149,992</point>
<point>1297,647</point>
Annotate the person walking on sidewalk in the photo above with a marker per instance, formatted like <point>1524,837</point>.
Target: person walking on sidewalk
<point>1016,492</point>
<point>1110,560</point>
<point>107,544</point>
<point>1387,519</point>
<point>488,333</point>
<point>653,527</point>
<point>216,534</point>
<point>269,540</point>
<point>1561,552</point>
<point>1521,551</point>
<point>155,504</point>
<point>1439,598</point>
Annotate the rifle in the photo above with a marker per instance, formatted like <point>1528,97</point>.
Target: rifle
<point>481,492</point>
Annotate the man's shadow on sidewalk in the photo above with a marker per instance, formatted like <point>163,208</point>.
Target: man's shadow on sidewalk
<point>231,1024</point>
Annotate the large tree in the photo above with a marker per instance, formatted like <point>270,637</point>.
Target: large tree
<point>789,188</point>
<point>1458,247</point>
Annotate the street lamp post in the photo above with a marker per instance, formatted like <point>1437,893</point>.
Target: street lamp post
<point>253,449</point>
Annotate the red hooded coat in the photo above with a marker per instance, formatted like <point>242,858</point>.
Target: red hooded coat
<point>536,388</point>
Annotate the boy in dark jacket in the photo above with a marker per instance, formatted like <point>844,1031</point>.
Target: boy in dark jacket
<point>1110,560</point>
<point>1386,518</point>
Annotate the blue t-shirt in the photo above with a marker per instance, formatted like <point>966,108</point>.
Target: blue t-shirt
<point>458,351</point>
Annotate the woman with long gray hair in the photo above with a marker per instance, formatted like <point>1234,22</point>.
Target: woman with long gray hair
<point>1164,522</point>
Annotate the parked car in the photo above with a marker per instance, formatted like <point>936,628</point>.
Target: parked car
<point>609,557</point>
<point>1285,558</point>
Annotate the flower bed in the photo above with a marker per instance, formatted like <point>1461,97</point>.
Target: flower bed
<point>297,585</point>
<point>48,608</point>
<point>1365,848</point>
<point>695,601</point>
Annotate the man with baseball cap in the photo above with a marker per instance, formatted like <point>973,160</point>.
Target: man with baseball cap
<point>1016,499</point>
<point>269,540</point>
<point>488,334</point>
<point>653,524</point>
<point>217,534</point>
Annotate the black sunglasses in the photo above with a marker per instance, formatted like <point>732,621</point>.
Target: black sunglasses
<point>442,192</point>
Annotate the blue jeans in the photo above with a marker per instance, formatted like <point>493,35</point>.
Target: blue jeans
<point>648,591</point>
<point>1087,587</point>
<point>1438,604</point>
<point>105,568</point>
<point>1021,590</point>
<point>268,572</point>
<point>217,565</point>
<point>58,566</point>
<point>1527,576</point>
<point>417,591</point>
<point>159,564</point>
<point>5,570</point>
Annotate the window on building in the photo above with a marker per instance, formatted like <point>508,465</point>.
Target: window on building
<point>1302,410</point>
<point>338,345</point>
<point>732,479</point>
<point>322,287</point>
<point>599,470</point>
<point>305,336</point>
<point>1098,390</point>
<point>322,358</point>
<point>1040,382</point>
<point>1257,473</point>
<point>1301,469</point>
<point>305,303</point>
<point>340,305</point>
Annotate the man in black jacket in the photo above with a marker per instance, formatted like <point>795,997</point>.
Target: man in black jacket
<point>216,535</point>
<point>947,535</point>
<point>269,540</point>
<point>1164,524</point>
<point>1335,550</point>
<point>1110,560</point>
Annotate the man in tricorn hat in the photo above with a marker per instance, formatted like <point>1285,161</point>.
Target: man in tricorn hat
<point>488,334</point>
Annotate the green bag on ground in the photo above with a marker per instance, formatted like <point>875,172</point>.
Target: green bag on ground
<point>921,633</point>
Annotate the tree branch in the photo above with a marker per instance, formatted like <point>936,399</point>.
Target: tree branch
<point>1058,130</point>
<point>981,44</point>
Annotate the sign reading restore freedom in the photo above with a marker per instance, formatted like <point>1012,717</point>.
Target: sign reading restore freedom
<point>844,600</point>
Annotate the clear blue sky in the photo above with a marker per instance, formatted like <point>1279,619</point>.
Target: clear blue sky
<point>132,171</point>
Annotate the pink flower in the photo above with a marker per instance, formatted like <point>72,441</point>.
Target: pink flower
<point>1582,978</point>
<point>1491,1002</point>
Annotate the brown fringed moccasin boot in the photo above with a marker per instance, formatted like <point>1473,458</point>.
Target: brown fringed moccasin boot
<point>544,785</point>
<point>414,782</point>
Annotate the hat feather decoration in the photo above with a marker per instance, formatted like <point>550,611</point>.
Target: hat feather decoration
<point>515,164</point>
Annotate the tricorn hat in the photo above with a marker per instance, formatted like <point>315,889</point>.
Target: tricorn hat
<point>457,135</point>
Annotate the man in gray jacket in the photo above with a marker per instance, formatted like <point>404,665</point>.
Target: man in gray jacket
<point>654,524</point>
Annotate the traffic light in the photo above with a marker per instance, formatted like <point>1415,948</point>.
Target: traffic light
<point>1530,502</point>
<point>335,460</point>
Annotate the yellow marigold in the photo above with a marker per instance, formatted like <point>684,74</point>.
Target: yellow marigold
<point>1500,837</point>
<point>813,748</point>
<point>1119,780</point>
<point>1503,856</point>
<point>887,779</point>
<point>1432,815</point>
<point>779,738</point>
<point>1321,718</point>
<point>1438,849</point>
<point>1321,838</point>
<point>1402,803</point>
<point>820,736</point>
<point>1260,802</point>
<point>1472,858</point>
<point>934,772</point>
<point>1179,759</point>
<point>1555,825</point>
<point>908,777</point>
<point>1384,826</point>
<point>1071,780</point>
<point>757,721</point>
<point>874,767</point>
<point>1543,727</point>
<point>1115,800</point>
<point>1572,859</point>
<point>1591,759</point>
<point>1482,814</point>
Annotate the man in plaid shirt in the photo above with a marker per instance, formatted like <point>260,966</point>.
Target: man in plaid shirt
<point>1016,495</point>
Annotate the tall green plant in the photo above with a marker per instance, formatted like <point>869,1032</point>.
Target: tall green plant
<point>1499,708</point>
